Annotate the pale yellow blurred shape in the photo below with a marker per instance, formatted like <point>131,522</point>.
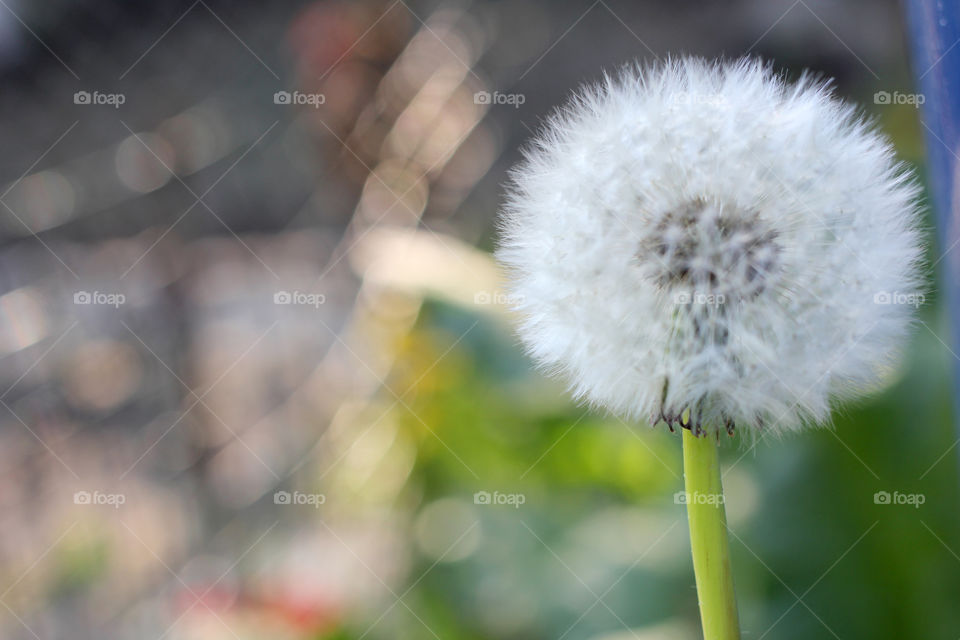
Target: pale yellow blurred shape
<point>342,430</point>
<point>390,476</point>
<point>368,449</point>
<point>368,458</point>
<point>424,263</point>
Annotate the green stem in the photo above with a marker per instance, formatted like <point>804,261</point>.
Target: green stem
<point>708,538</point>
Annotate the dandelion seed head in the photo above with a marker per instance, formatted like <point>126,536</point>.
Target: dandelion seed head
<point>708,240</point>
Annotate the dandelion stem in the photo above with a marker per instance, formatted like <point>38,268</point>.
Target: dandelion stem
<point>708,538</point>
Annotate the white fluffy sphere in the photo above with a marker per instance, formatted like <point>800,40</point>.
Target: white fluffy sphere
<point>710,238</point>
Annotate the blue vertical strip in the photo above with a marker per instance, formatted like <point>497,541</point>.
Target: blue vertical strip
<point>934,30</point>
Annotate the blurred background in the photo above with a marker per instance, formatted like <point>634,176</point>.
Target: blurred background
<point>258,377</point>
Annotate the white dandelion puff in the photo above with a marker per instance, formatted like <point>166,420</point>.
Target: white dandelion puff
<point>707,244</point>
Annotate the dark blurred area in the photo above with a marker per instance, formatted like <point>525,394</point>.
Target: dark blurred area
<point>258,376</point>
